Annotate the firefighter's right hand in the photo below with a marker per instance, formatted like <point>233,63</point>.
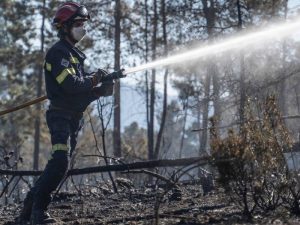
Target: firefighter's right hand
<point>115,75</point>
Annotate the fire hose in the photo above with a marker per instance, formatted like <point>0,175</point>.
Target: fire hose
<point>24,105</point>
<point>42,98</point>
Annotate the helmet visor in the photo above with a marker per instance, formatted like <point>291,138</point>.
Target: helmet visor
<point>81,13</point>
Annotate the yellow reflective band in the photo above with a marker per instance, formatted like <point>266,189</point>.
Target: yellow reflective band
<point>62,76</point>
<point>74,60</point>
<point>48,67</point>
<point>61,147</point>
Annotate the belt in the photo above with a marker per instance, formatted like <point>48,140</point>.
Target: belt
<point>75,114</point>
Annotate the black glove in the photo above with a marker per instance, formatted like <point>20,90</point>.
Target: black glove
<point>106,89</point>
<point>114,75</point>
<point>98,76</point>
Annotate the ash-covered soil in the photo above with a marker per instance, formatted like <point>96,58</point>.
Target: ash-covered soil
<point>99,205</point>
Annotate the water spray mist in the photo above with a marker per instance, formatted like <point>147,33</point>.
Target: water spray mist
<point>276,31</point>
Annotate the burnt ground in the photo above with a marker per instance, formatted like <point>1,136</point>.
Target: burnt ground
<point>96,205</point>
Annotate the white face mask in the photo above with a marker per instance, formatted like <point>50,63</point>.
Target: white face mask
<point>78,33</point>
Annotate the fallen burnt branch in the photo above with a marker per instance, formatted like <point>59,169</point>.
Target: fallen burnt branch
<point>121,167</point>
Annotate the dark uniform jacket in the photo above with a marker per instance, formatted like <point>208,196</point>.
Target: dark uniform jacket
<point>67,85</point>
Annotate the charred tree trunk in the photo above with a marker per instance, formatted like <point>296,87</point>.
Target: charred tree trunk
<point>146,72</point>
<point>165,98</point>
<point>297,97</point>
<point>37,123</point>
<point>152,87</point>
<point>117,97</point>
<point>213,67</point>
<point>242,90</point>
<point>185,106</point>
<point>242,72</point>
<point>282,86</point>
<point>199,115</point>
<point>216,95</point>
<point>206,100</point>
<point>209,12</point>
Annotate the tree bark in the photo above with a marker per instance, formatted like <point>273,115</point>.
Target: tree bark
<point>117,97</point>
<point>165,98</point>
<point>209,12</point>
<point>216,95</point>
<point>282,86</point>
<point>199,107</point>
<point>146,59</point>
<point>242,72</point>
<point>185,106</point>
<point>37,123</point>
<point>203,141</point>
<point>152,87</point>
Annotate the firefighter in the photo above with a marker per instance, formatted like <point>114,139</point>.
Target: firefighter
<point>70,90</point>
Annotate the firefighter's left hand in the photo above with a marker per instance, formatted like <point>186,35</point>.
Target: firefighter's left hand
<point>98,76</point>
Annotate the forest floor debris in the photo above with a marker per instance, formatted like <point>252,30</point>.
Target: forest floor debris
<point>136,207</point>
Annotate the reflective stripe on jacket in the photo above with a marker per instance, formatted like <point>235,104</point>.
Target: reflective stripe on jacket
<point>67,85</point>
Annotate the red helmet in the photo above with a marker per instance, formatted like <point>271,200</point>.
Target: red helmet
<point>69,12</point>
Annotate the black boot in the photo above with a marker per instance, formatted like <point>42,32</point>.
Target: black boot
<point>26,210</point>
<point>39,216</point>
